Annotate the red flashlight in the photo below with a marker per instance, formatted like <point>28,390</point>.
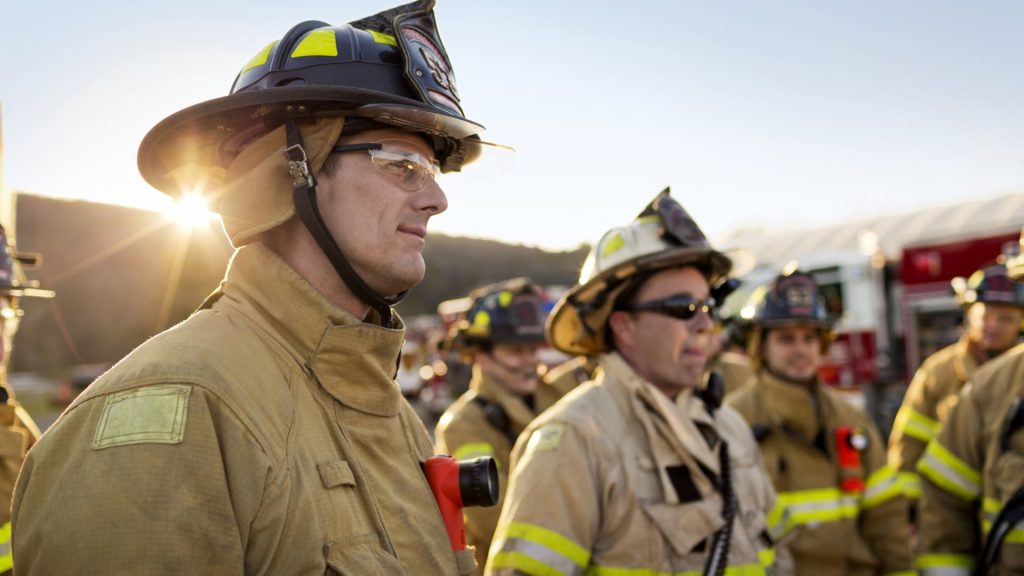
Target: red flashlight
<point>460,483</point>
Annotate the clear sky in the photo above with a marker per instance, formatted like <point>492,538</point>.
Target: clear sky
<point>792,112</point>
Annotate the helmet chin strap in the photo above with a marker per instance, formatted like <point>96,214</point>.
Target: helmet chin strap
<point>306,207</point>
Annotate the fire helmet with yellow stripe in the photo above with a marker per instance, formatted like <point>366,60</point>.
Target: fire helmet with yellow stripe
<point>390,68</point>
<point>991,284</point>
<point>509,312</point>
<point>662,236</point>
<point>255,154</point>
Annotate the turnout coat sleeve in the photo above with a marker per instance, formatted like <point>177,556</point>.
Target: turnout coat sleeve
<point>916,424</point>
<point>951,489</point>
<point>559,457</point>
<point>178,505</point>
<point>884,519</point>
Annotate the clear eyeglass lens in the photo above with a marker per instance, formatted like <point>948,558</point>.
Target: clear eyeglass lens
<point>410,170</point>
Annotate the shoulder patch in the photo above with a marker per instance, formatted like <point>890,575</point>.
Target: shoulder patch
<point>546,437</point>
<point>151,415</point>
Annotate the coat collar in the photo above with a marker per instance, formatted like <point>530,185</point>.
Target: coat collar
<point>490,389</point>
<point>790,405</point>
<point>966,359</point>
<point>677,419</point>
<point>354,361</point>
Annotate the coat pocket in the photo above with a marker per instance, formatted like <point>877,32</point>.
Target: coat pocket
<point>686,526</point>
<point>361,556</point>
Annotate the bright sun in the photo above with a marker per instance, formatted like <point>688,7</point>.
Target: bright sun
<point>190,212</point>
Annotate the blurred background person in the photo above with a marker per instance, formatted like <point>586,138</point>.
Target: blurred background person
<point>499,337</point>
<point>840,509</point>
<point>18,432</point>
<point>993,307</point>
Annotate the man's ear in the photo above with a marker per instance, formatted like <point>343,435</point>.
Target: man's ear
<point>620,325</point>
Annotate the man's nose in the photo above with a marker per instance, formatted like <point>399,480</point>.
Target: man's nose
<point>431,199</point>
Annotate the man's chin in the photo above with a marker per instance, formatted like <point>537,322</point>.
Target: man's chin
<point>397,281</point>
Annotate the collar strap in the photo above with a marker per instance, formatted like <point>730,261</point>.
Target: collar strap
<point>306,207</point>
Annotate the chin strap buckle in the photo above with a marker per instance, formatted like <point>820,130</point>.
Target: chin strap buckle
<point>298,167</point>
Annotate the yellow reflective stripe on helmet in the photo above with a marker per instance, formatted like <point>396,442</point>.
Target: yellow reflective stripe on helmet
<point>382,38</point>
<point>796,508</point>
<point>945,565</point>
<point>918,425</point>
<point>537,550</point>
<point>482,319</point>
<point>949,472</point>
<point>473,450</point>
<point>741,570</point>
<point>613,244</point>
<point>883,485</point>
<point>317,43</point>
<point>6,560</point>
<point>911,484</point>
<point>505,298</point>
<point>260,58</point>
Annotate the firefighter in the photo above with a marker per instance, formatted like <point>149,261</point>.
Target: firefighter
<point>993,308</point>
<point>637,472</point>
<point>18,432</point>
<point>499,337</point>
<point>840,508</point>
<point>266,434</point>
<point>972,473</point>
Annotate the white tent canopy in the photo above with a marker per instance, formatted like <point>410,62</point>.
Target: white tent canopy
<point>891,234</point>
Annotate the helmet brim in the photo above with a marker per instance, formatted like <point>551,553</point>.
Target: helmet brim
<point>26,292</point>
<point>565,324</point>
<point>194,136</point>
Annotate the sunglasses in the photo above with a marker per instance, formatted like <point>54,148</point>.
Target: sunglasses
<point>681,307</point>
<point>409,170</point>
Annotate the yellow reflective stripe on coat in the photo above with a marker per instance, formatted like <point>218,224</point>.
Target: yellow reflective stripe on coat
<point>905,573</point>
<point>801,507</point>
<point>533,549</point>
<point>883,485</point>
<point>948,472</point>
<point>473,450</point>
<point>766,556</point>
<point>945,565</point>
<point>990,510</point>
<point>919,426</point>
<point>742,570</point>
<point>911,484</point>
<point>6,560</point>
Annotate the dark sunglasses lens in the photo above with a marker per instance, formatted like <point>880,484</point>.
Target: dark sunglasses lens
<point>681,310</point>
<point>686,309</point>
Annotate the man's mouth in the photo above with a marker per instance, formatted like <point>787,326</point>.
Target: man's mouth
<point>420,231</point>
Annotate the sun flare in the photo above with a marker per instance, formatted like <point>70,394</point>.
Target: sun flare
<point>190,212</point>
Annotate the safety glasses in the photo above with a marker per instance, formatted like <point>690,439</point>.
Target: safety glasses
<point>681,307</point>
<point>409,170</point>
